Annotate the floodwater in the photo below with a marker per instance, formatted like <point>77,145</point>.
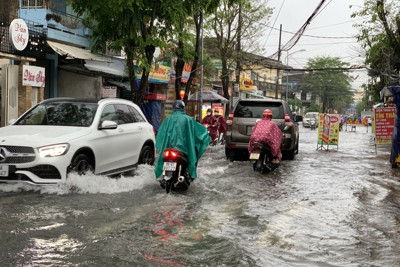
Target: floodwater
<point>339,207</point>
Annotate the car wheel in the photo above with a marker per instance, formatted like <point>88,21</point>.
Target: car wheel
<point>146,155</point>
<point>297,147</point>
<point>81,164</point>
<point>230,154</point>
<point>289,154</point>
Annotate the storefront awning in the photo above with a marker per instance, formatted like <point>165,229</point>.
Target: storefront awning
<point>75,52</point>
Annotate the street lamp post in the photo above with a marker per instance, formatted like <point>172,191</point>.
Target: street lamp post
<point>287,73</point>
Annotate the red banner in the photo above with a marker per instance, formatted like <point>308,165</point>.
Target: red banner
<point>384,124</point>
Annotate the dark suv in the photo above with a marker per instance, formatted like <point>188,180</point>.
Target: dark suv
<point>244,116</point>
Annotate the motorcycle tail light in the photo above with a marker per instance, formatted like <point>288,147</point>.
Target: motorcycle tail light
<point>170,154</point>
<point>257,145</point>
<point>229,121</point>
<point>287,119</point>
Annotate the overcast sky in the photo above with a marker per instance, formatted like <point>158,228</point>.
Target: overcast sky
<point>333,20</point>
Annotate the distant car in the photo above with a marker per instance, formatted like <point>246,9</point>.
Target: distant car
<point>244,116</point>
<point>63,135</point>
<point>307,116</point>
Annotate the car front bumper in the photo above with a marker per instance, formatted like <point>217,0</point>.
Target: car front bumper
<point>34,169</point>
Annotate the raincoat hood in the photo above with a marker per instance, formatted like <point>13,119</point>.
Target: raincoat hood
<point>185,134</point>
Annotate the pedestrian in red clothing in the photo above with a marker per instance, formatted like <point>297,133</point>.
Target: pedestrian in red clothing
<point>266,131</point>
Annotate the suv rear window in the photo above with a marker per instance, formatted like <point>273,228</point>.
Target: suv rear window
<point>252,109</point>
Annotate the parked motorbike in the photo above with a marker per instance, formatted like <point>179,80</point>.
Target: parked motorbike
<point>262,158</point>
<point>175,175</point>
<point>211,129</point>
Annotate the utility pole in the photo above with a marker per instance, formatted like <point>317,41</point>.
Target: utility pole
<point>238,54</point>
<point>277,64</point>
<point>200,107</point>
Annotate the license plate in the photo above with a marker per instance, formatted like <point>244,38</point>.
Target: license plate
<point>169,166</point>
<point>3,170</point>
<point>254,155</point>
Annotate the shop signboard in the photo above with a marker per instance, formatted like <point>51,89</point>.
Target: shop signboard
<point>171,96</point>
<point>328,129</point>
<point>384,124</point>
<point>19,34</point>
<point>109,91</point>
<point>246,84</point>
<point>33,76</point>
<point>158,74</point>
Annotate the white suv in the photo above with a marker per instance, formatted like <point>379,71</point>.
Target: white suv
<point>61,135</point>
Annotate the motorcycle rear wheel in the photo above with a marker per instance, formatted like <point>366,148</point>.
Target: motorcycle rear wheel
<point>168,186</point>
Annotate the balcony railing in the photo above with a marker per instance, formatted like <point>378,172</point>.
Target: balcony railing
<point>67,20</point>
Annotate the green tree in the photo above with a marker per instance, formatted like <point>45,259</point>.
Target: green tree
<point>361,106</point>
<point>380,37</point>
<point>313,108</point>
<point>329,81</point>
<point>235,20</point>
<point>137,27</point>
<point>198,9</point>
<point>295,104</point>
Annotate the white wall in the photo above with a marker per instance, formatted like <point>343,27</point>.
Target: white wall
<point>71,84</point>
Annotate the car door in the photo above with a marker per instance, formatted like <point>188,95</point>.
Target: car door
<point>111,145</point>
<point>131,135</point>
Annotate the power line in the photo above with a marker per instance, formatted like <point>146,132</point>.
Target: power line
<point>296,37</point>
<point>269,34</point>
<point>313,36</point>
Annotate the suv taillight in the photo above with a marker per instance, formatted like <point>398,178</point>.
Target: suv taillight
<point>229,121</point>
<point>287,119</point>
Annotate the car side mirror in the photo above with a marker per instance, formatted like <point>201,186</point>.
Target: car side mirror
<point>108,125</point>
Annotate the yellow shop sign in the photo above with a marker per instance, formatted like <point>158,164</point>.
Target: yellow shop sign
<point>246,84</point>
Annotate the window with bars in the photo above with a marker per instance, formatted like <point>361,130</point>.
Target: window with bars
<point>33,3</point>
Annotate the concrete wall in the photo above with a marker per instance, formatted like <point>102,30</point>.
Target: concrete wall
<point>71,84</point>
<point>9,8</point>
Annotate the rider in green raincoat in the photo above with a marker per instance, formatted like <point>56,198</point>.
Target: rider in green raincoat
<point>183,133</point>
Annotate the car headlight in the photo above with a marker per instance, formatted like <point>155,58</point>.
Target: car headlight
<point>53,150</point>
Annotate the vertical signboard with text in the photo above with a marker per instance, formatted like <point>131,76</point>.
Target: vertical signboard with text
<point>384,124</point>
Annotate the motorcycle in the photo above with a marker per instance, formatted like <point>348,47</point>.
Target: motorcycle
<point>262,158</point>
<point>175,171</point>
<point>313,124</point>
<point>213,132</point>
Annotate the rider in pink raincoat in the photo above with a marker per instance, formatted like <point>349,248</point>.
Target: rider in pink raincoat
<point>267,132</point>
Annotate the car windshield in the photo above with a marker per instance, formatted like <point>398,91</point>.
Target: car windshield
<point>253,109</point>
<point>60,113</point>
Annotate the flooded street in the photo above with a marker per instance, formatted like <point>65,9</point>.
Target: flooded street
<point>325,208</point>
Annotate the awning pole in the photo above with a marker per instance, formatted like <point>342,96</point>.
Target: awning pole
<point>202,68</point>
